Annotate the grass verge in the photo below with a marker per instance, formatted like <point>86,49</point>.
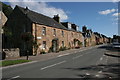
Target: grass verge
<point>12,62</point>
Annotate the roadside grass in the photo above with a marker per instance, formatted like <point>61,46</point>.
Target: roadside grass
<point>12,62</point>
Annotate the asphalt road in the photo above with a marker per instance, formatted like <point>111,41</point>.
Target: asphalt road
<point>90,63</point>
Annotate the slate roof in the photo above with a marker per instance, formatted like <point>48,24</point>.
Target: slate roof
<point>65,24</point>
<point>41,19</point>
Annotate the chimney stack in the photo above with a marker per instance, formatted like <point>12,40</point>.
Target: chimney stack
<point>84,29</point>
<point>57,18</point>
<point>26,10</point>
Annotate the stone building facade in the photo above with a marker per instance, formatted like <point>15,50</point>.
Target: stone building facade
<point>48,32</point>
<point>100,38</point>
<point>89,37</point>
<point>56,38</point>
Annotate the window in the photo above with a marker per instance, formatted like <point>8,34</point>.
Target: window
<point>62,43</point>
<point>44,44</point>
<point>44,31</point>
<point>54,32</point>
<point>63,33</point>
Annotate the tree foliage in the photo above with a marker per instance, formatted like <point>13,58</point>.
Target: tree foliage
<point>27,36</point>
<point>7,9</point>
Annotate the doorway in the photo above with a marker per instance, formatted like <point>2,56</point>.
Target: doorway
<point>55,45</point>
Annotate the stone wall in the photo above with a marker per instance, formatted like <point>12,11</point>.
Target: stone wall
<point>11,53</point>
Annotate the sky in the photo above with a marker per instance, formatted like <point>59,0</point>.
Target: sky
<point>101,17</point>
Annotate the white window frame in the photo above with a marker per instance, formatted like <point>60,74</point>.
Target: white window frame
<point>62,33</point>
<point>44,31</point>
<point>54,32</point>
<point>44,44</point>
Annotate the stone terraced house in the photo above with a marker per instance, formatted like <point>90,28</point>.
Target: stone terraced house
<point>48,32</point>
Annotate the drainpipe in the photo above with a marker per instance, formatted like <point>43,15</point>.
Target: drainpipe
<point>36,34</point>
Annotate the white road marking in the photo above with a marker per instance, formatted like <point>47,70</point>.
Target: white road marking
<point>101,58</point>
<point>100,72</point>
<point>74,52</point>
<point>110,77</point>
<point>77,57</point>
<point>97,75</point>
<point>53,65</point>
<point>63,55</point>
<point>80,55</point>
<point>13,77</point>
<point>87,74</point>
<point>98,62</point>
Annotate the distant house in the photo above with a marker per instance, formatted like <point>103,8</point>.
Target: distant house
<point>89,37</point>
<point>49,33</point>
<point>92,38</point>
<point>101,39</point>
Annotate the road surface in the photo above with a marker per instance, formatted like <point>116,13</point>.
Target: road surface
<point>90,63</point>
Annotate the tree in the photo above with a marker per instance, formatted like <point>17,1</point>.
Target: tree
<point>7,37</point>
<point>27,37</point>
<point>7,9</point>
<point>7,32</point>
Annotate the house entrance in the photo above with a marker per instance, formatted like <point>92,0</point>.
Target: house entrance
<point>55,45</point>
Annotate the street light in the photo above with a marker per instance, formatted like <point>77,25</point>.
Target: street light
<point>26,11</point>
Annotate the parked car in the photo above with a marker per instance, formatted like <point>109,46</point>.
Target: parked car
<point>116,45</point>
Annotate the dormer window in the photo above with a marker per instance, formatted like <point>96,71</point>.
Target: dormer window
<point>69,26</point>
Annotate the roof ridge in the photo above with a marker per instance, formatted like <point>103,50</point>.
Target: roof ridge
<point>32,14</point>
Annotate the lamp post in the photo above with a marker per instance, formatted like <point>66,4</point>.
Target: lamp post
<point>27,51</point>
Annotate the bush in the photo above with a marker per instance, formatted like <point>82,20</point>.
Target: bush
<point>68,48</point>
<point>79,43</point>
<point>62,48</point>
<point>42,52</point>
<point>50,49</point>
<point>27,36</point>
<point>77,47</point>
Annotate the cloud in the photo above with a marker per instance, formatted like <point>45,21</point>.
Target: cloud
<point>107,11</point>
<point>116,14</point>
<point>115,0</point>
<point>43,8</point>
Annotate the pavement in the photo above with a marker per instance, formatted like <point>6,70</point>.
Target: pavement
<point>86,64</point>
<point>42,57</point>
<point>113,52</point>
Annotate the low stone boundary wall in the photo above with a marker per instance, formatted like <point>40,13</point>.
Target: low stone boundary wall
<point>11,53</point>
